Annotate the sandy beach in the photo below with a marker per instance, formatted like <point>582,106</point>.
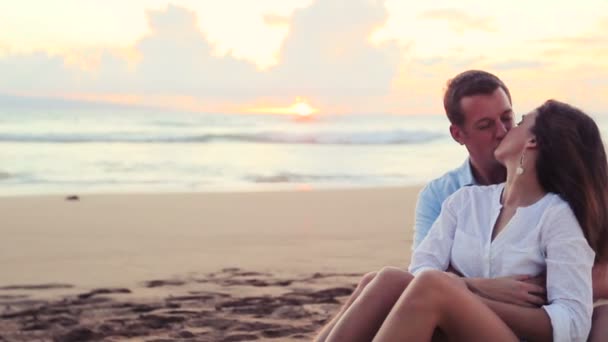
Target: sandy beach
<point>204,267</point>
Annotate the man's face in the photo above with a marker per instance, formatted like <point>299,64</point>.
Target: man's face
<point>487,120</point>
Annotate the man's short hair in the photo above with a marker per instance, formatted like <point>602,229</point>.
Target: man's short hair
<point>469,83</point>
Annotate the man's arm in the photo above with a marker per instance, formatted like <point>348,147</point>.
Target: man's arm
<point>522,290</point>
<point>428,208</point>
<point>531,324</point>
<point>434,251</point>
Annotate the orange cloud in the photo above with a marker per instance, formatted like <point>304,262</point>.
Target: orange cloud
<point>516,63</point>
<point>276,20</point>
<point>459,21</point>
<point>586,48</point>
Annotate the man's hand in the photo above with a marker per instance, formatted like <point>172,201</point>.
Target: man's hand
<point>458,280</point>
<point>520,290</point>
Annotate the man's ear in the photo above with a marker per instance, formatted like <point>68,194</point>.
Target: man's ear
<point>457,134</point>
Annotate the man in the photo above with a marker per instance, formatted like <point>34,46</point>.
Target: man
<point>478,105</point>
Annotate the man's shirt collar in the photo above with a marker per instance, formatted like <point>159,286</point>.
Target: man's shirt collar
<point>465,174</point>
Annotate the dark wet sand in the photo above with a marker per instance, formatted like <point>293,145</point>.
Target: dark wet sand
<point>229,305</point>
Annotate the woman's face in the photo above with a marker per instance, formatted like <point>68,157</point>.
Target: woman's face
<point>513,144</point>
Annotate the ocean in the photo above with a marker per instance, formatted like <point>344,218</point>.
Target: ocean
<point>83,150</point>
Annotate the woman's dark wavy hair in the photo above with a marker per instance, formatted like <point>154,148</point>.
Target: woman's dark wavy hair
<point>572,163</point>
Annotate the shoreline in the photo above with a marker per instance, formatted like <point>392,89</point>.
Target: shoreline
<point>160,192</point>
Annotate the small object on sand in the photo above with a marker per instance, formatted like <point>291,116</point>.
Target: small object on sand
<point>77,334</point>
<point>72,198</point>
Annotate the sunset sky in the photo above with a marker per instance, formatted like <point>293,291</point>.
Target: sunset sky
<point>336,56</point>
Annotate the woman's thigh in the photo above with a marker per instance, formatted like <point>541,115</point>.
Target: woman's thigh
<point>362,319</point>
<point>463,316</point>
<point>434,300</point>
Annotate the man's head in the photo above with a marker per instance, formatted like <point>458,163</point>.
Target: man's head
<point>478,105</point>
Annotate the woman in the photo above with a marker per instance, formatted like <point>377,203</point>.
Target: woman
<point>549,216</point>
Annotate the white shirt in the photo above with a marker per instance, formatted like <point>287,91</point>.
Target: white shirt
<point>544,235</point>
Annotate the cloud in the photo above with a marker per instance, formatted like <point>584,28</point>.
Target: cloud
<point>459,21</point>
<point>329,53</point>
<point>276,20</point>
<point>181,61</point>
<point>175,59</point>
<point>457,62</point>
<point>591,45</point>
<point>513,64</point>
<point>576,41</point>
<point>584,50</point>
<point>326,54</point>
<point>35,72</point>
<point>4,49</point>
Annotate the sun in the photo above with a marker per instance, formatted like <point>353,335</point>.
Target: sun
<point>302,108</point>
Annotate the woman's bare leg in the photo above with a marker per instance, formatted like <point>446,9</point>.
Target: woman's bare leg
<point>363,318</point>
<point>599,325</point>
<point>436,300</point>
<point>329,326</point>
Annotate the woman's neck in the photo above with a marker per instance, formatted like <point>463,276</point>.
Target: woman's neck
<point>522,190</point>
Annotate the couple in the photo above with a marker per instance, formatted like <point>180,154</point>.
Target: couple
<point>540,213</point>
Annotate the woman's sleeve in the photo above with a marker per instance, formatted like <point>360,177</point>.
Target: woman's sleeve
<point>569,288</point>
<point>435,249</point>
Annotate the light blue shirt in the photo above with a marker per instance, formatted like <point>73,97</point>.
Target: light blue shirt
<point>431,198</point>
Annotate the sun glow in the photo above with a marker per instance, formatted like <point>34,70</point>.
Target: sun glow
<point>301,108</point>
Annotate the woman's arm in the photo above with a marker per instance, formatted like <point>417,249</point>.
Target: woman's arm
<point>569,261</point>
<point>434,251</point>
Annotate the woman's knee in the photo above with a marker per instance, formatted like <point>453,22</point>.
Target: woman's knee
<point>425,292</point>
<point>432,283</point>
<point>437,288</point>
<point>387,282</point>
<point>433,277</point>
<point>393,276</point>
<point>366,279</point>
<point>386,286</point>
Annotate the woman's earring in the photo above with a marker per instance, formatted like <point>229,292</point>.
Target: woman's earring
<point>520,168</point>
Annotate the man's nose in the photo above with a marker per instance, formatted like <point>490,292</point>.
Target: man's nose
<point>501,130</point>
